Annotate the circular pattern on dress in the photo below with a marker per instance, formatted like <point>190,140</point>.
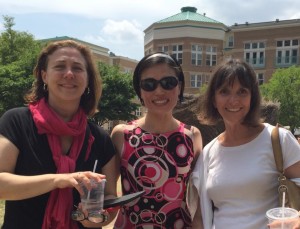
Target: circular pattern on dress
<point>150,172</point>
<point>160,165</point>
<point>134,141</point>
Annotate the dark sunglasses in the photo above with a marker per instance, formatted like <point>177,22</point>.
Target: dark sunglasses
<point>95,217</point>
<point>167,83</point>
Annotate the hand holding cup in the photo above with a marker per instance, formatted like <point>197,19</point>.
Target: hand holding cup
<point>283,218</point>
<point>91,206</point>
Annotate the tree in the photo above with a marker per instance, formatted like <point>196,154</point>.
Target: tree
<point>18,53</point>
<point>117,96</point>
<point>284,87</point>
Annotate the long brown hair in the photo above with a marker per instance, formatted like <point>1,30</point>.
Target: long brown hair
<point>226,73</point>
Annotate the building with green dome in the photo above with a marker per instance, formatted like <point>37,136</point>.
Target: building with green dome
<point>200,43</point>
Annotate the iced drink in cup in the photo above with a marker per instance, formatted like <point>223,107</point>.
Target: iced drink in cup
<point>92,200</point>
<point>282,218</point>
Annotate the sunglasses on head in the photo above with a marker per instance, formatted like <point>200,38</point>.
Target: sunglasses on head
<point>167,83</point>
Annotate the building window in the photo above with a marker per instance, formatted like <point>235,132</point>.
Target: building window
<point>260,78</point>
<point>177,53</point>
<point>198,80</point>
<point>138,112</point>
<point>196,55</point>
<point>287,52</point>
<point>254,53</point>
<point>149,51</point>
<point>163,48</point>
<point>211,55</point>
<point>230,41</point>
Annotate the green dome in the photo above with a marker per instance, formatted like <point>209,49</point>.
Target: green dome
<point>188,13</point>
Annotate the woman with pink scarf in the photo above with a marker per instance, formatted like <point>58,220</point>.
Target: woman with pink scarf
<point>49,147</point>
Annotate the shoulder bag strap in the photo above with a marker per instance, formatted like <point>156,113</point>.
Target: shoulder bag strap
<point>277,148</point>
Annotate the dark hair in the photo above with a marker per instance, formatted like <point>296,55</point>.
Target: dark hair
<point>152,60</point>
<point>89,101</point>
<point>225,74</point>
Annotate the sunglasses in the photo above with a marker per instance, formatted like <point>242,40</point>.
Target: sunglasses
<point>95,217</point>
<point>167,83</point>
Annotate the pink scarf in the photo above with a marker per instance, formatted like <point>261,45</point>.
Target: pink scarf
<point>60,202</point>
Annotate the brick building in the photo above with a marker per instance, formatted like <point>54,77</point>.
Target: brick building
<point>200,43</point>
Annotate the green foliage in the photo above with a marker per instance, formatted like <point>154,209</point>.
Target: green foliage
<point>18,53</point>
<point>13,86</point>
<point>284,87</point>
<point>117,95</point>
<point>16,46</point>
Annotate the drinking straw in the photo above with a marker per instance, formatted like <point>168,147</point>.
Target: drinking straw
<point>94,170</point>
<point>95,165</point>
<point>283,209</point>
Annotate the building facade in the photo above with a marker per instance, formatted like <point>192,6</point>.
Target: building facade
<point>200,43</point>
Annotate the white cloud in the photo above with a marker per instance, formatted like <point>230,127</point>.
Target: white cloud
<point>122,32</point>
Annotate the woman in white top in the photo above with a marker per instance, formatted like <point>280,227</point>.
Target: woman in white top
<point>236,176</point>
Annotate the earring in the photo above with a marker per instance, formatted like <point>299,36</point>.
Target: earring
<point>88,90</point>
<point>45,87</point>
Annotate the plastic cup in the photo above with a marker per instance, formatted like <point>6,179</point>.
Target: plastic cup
<point>92,200</point>
<point>282,218</point>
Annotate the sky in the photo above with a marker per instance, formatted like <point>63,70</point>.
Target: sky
<point>119,25</point>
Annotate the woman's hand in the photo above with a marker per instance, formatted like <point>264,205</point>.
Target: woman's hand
<point>291,223</point>
<point>74,180</point>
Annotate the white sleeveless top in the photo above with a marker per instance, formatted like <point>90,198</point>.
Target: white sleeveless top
<point>241,181</point>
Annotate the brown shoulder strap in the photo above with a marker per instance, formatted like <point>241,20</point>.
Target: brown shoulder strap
<point>277,148</point>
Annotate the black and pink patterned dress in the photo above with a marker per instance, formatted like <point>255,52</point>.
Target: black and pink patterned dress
<point>160,164</point>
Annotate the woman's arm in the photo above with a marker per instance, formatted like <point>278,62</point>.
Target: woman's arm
<point>293,171</point>
<point>197,220</point>
<point>31,186</point>
<point>117,136</point>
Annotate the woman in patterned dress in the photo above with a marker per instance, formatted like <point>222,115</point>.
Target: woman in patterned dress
<point>157,151</point>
